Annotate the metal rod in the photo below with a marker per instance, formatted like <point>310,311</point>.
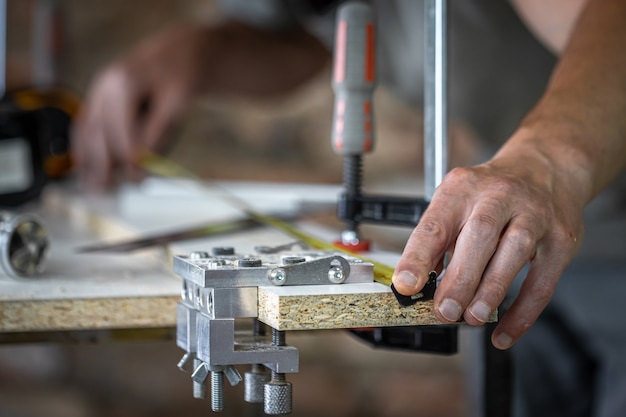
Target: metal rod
<point>3,47</point>
<point>435,96</point>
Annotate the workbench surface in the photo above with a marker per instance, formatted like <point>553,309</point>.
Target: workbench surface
<point>113,291</point>
<point>138,290</point>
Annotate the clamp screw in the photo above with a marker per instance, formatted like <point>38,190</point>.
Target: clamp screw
<point>223,251</point>
<point>217,390</point>
<point>194,256</point>
<point>292,260</point>
<point>277,395</point>
<point>184,362</point>
<point>254,381</point>
<point>249,262</point>
<point>336,275</point>
<point>198,377</point>
<point>277,276</point>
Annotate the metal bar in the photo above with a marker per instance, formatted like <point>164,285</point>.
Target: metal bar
<point>3,47</point>
<point>435,96</point>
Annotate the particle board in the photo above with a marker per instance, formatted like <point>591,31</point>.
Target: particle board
<point>339,307</point>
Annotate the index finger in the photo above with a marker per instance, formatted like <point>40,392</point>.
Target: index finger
<point>429,241</point>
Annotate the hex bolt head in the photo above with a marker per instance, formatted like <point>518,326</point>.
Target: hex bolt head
<point>277,276</point>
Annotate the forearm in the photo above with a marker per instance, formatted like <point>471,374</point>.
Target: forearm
<point>242,60</point>
<point>579,125</point>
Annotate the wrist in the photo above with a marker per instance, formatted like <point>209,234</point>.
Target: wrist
<point>549,155</point>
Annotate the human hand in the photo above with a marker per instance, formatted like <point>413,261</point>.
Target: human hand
<point>132,103</point>
<point>495,218</point>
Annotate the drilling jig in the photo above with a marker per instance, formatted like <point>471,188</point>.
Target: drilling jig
<point>323,289</point>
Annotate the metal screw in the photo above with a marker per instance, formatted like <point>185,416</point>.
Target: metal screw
<point>277,394</point>
<point>277,276</point>
<point>198,255</point>
<point>215,263</point>
<point>258,376</point>
<point>249,262</point>
<point>223,251</point>
<point>349,237</point>
<point>184,362</point>
<point>336,275</point>
<point>217,390</point>
<point>254,383</point>
<point>199,382</point>
<point>292,260</point>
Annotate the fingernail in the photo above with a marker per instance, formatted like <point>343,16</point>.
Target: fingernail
<point>450,310</point>
<point>503,341</point>
<point>480,311</point>
<point>405,279</point>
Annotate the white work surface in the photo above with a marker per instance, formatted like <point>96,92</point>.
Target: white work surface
<point>121,291</point>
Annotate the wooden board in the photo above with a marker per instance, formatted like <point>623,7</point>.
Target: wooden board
<point>338,307</point>
<point>104,291</point>
<point>88,291</point>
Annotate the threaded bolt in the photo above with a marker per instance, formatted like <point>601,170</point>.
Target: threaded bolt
<point>217,390</point>
<point>352,174</point>
<point>277,394</point>
<point>278,338</point>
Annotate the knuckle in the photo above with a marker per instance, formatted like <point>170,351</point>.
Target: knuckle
<point>483,225</point>
<point>114,77</point>
<point>504,186</point>
<point>430,228</point>
<point>456,176</point>
<point>524,239</point>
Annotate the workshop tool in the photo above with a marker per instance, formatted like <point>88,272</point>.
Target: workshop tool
<point>220,288</point>
<point>23,245</point>
<point>34,134</point>
<point>158,165</point>
<point>34,142</point>
<point>353,135</point>
<point>163,239</point>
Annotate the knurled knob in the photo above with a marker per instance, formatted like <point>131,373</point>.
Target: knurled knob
<point>254,383</point>
<point>277,398</point>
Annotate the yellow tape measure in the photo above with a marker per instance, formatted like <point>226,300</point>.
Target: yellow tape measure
<point>164,167</point>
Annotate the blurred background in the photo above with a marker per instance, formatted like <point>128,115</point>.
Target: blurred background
<point>278,140</point>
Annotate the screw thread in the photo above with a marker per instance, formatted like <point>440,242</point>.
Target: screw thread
<point>352,175</point>
<point>278,338</point>
<point>278,377</point>
<point>217,391</point>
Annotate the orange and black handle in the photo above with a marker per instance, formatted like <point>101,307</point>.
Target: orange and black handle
<point>35,127</point>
